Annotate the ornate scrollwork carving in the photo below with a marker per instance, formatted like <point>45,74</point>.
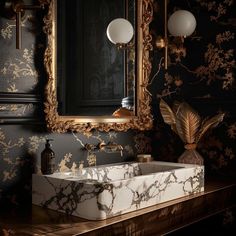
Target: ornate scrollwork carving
<point>143,120</point>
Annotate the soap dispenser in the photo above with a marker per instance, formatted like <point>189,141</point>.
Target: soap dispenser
<point>47,159</point>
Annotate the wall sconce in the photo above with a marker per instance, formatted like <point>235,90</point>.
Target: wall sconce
<point>120,32</point>
<point>181,24</point>
<point>15,10</point>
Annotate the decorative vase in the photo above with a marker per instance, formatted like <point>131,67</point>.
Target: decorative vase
<point>191,156</point>
<point>186,122</point>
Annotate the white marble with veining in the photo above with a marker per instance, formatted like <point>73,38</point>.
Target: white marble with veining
<point>102,192</point>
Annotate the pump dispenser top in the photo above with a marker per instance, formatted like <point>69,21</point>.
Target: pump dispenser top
<point>47,159</point>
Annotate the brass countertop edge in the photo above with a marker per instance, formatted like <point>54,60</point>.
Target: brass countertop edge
<point>140,212</point>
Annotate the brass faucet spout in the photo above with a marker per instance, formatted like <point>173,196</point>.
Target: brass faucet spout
<point>106,147</point>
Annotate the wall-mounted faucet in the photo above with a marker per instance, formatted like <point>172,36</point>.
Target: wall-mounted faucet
<point>109,147</point>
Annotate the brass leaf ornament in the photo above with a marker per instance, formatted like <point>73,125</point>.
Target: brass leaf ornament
<point>209,123</point>
<point>190,127</point>
<point>187,123</point>
<point>168,115</point>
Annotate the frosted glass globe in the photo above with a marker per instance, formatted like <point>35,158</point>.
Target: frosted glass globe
<point>120,31</point>
<point>181,23</point>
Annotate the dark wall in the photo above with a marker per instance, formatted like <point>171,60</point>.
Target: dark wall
<point>202,73</point>
<point>203,77</point>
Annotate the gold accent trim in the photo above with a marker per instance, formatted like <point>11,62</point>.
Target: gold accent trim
<point>143,120</point>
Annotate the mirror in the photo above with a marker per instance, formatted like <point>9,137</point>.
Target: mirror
<point>96,72</point>
<point>92,84</point>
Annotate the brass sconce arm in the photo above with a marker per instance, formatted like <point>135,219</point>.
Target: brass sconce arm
<point>163,42</point>
<point>124,46</point>
<point>15,9</point>
<point>181,24</point>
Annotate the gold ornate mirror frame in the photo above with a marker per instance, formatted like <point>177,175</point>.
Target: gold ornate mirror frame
<point>142,121</point>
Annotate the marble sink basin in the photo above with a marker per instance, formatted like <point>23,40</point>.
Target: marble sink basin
<point>105,191</point>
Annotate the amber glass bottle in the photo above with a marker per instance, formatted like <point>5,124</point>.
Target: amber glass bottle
<point>47,159</point>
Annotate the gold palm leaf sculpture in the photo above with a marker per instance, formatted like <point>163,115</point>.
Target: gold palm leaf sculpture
<point>186,122</point>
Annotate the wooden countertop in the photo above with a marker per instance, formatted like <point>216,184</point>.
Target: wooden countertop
<point>154,220</point>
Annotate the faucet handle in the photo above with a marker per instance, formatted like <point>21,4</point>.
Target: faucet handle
<point>101,146</point>
<point>89,147</point>
<point>110,147</point>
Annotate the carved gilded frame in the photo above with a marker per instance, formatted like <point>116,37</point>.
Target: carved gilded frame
<point>142,121</point>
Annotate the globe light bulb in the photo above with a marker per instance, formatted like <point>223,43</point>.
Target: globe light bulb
<point>181,23</point>
<point>120,31</point>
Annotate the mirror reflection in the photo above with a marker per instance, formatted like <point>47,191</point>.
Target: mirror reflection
<point>94,78</point>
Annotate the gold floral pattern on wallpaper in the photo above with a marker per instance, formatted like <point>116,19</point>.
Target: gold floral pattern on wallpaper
<point>216,64</point>
<point>18,68</point>
<point>91,159</point>
<point>203,62</point>
<point>18,110</point>
<point>18,153</point>
<point>7,145</point>
<point>34,143</point>
<point>216,8</point>
<point>143,143</point>
<point>66,164</point>
<point>168,85</point>
<point>219,62</point>
<point>9,27</point>
<point>219,154</point>
<point>12,165</point>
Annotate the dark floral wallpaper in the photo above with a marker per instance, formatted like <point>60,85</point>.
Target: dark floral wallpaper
<point>201,72</point>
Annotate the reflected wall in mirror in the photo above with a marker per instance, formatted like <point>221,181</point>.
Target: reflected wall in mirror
<point>96,72</point>
<point>91,84</point>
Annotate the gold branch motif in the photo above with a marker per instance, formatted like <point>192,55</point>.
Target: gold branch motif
<point>220,8</point>
<point>18,109</point>
<point>6,32</point>
<point>142,143</point>
<point>6,146</point>
<point>91,159</point>
<point>34,142</point>
<point>64,164</point>
<point>12,171</point>
<point>218,61</point>
<point>20,67</point>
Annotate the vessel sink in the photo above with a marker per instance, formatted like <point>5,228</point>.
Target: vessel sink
<point>101,192</point>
